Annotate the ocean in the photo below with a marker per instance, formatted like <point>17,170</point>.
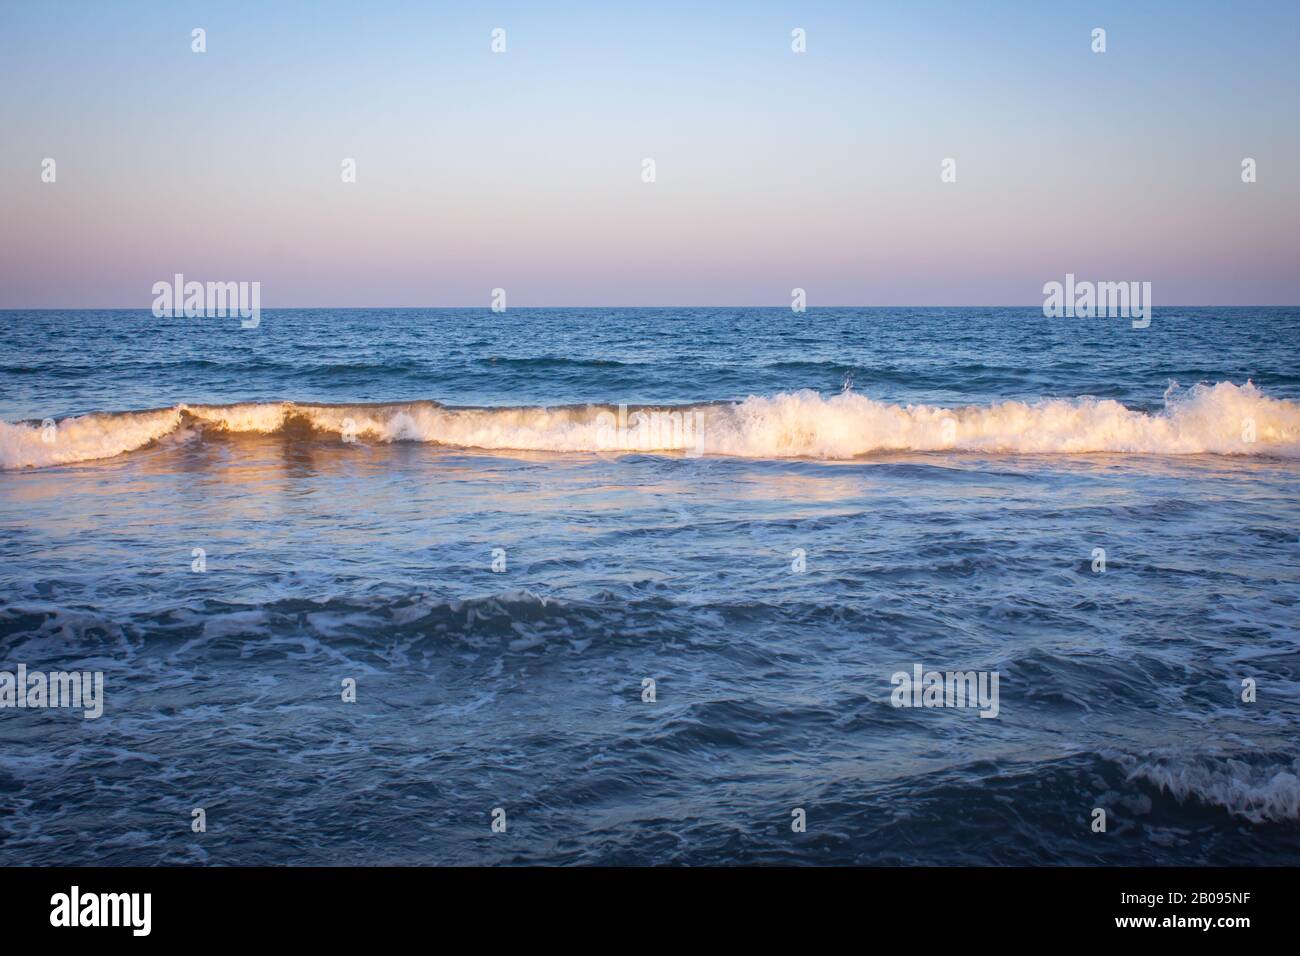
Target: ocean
<point>649,586</point>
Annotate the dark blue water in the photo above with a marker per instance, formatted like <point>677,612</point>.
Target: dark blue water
<point>62,363</point>
<point>843,494</point>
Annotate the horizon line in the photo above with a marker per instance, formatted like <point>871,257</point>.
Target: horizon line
<point>515,308</point>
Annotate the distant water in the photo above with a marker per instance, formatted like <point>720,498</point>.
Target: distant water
<point>943,477</point>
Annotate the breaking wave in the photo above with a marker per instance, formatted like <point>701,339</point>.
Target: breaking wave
<point>1223,419</point>
<point>1261,794</point>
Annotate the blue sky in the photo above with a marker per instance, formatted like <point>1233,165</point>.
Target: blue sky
<point>774,170</point>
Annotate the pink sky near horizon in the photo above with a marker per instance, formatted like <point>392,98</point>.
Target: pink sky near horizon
<point>523,170</point>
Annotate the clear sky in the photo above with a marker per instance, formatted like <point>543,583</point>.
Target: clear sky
<point>523,170</point>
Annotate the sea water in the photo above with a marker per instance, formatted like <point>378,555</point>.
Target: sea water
<point>436,586</point>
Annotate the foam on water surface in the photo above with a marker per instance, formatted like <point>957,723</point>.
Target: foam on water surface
<point>1224,418</point>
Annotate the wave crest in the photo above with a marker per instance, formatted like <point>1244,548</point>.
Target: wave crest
<point>1220,419</point>
<point>1261,794</point>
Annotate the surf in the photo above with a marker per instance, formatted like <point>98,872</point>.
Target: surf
<point>1219,419</point>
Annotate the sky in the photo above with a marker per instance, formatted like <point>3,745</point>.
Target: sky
<point>523,170</point>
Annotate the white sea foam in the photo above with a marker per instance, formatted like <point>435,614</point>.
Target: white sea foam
<point>1256,793</point>
<point>1217,419</point>
<point>83,438</point>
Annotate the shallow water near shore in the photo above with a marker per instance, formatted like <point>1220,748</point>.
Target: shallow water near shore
<point>962,547</point>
